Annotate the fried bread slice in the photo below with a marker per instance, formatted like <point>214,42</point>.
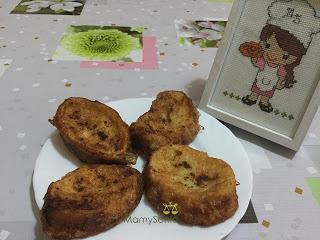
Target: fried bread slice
<point>90,200</point>
<point>202,188</point>
<point>172,119</point>
<point>93,131</point>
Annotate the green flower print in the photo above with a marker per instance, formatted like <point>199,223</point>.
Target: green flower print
<point>137,29</point>
<point>110,44</point>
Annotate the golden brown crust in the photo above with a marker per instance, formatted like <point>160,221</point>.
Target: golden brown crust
<point>203,188</point>
<point>172,119</point>
<point>93,131</point>
<point>90,200</point>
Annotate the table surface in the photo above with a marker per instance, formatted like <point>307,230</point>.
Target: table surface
<point>32,87</point>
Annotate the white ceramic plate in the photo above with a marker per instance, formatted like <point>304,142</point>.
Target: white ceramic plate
<point>55,161</point>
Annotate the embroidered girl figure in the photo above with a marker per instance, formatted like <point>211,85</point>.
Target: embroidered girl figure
<point>283,42</point>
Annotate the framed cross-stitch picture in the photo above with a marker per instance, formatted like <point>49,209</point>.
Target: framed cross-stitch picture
<point>265,77</point>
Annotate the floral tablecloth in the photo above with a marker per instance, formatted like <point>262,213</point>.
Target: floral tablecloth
<point>285,204</point>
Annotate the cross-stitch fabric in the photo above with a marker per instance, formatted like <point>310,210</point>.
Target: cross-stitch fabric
<point>272,66</point>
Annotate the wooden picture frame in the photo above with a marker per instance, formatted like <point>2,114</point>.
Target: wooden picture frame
<point>247,22</point>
